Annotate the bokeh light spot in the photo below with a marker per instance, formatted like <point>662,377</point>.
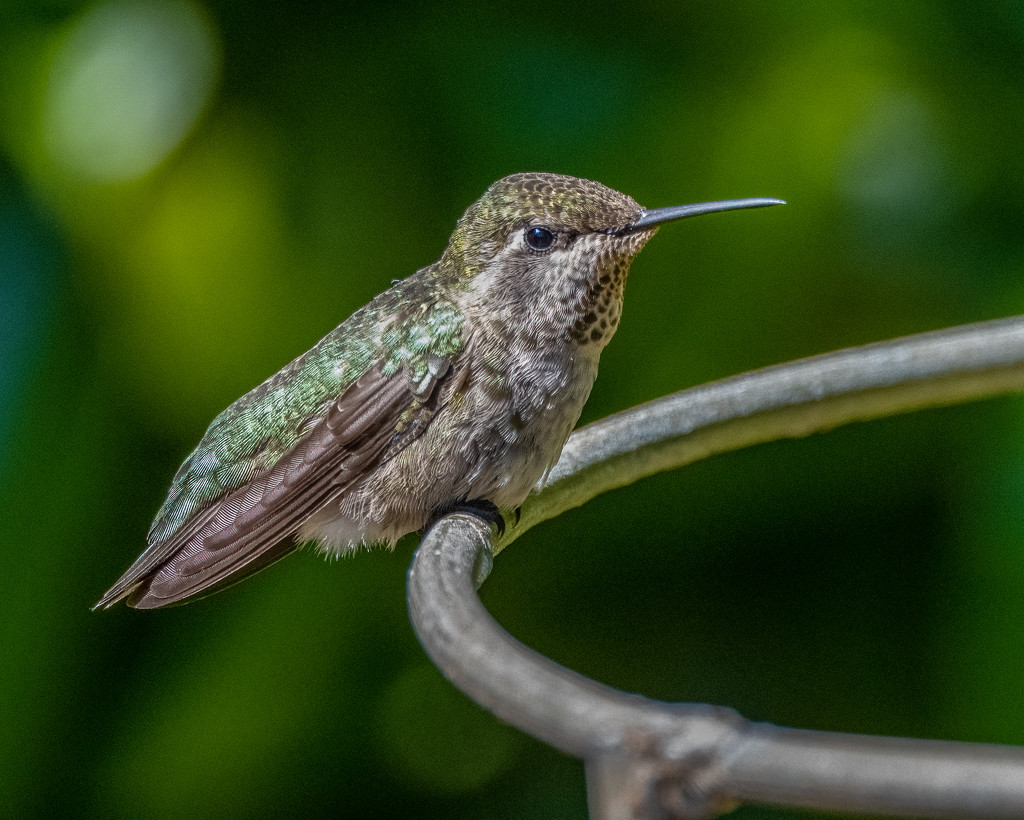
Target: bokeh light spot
<point>896,173</point>
<point>127,84</point>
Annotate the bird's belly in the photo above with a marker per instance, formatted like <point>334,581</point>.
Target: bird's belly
<point>493,445</point>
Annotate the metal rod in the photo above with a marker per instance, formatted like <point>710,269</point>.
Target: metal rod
<point>687,760</point>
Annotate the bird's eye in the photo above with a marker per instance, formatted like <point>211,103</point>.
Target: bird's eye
<point>540,238</point>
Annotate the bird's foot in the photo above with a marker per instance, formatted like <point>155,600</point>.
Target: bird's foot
<point>480,507</point>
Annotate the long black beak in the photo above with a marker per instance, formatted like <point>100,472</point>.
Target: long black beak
<point>649,219</point>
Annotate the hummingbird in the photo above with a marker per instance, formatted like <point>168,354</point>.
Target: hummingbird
<point>455,389</point>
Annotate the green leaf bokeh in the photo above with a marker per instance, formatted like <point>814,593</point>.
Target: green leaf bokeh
<point>191,195</point>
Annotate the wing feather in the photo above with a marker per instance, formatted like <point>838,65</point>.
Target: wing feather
<point>254,525</point>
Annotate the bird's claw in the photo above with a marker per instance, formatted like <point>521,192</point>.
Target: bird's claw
<point>483,509</point>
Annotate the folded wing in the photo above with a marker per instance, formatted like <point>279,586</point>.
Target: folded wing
<point>254,525</point>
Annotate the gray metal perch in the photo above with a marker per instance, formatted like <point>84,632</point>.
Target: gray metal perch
<point>649,759</point>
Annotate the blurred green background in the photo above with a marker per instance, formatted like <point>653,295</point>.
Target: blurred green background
<point>191,194</point>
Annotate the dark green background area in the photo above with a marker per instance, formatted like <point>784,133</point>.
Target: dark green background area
<point>868,580</point>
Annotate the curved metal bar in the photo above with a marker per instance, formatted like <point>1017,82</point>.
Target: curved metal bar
<point>559,706</point>
<point>654,759</point>
<point>783,401</point>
